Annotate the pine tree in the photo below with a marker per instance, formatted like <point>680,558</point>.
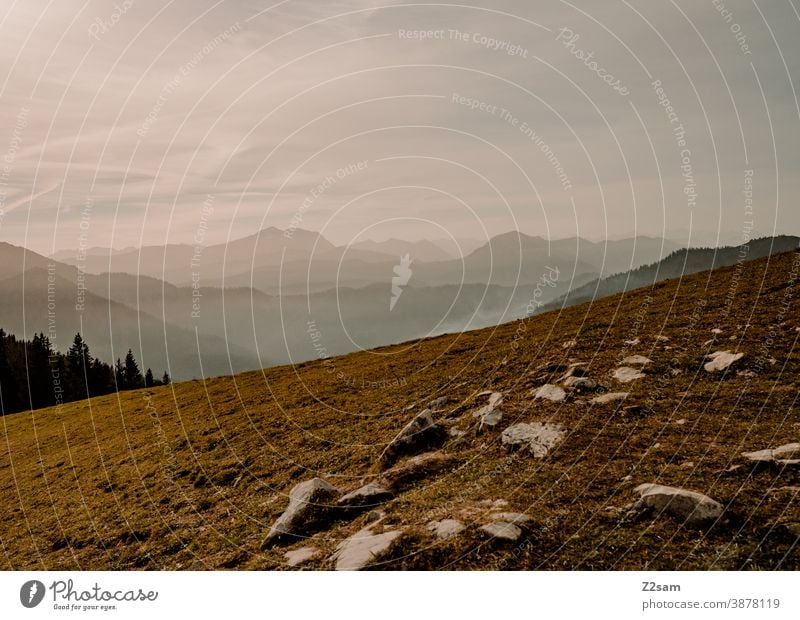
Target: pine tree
<point>119,375</point>
<point>148,378</point>
<point>133,376</point>
<point>165,380</point>
<point>79,361</point>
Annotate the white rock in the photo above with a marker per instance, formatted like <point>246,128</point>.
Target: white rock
<point>446,528</point>
<point>420,433</point>
<point>569,344</point>
<point>490,419</point>
<point>367,496</point>
<point>637,360</point>
<point>788,454</point>
<point>536,437</point>
<point>721,360</point>
<point>661,338</point>
<point>634,342</point>
<point>694,509</point>
<point>716,330</point>
<point>610,397</point>
<point>503,531</point>
<point>580,384</point>
<point>517,518</point>
<point>550,392</point>
<point>626,374</point>
<point>306,501</point>
<point>299,556</point>
<point>363,547</point>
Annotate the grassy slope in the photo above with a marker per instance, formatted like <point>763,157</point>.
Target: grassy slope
<point>192,475</point>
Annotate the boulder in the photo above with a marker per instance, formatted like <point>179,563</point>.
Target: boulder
<point>610,397</point>
<point>490,420</point>
<point>368,496</point>
<point>447,528</point>
<point>538,438</point>
<point>363,548</point>
<point>626,374</point>
<point>550,392</point>
<point>500,530</point>
<point>420,434</point>
<point>517,518</point>
<point>721,360</point>
<point>786,455</point>
<point>309,506</point>
<point>692,508</point>
<point>295,557</point>
<point>582,385</point>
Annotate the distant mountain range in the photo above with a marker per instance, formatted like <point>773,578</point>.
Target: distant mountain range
<point>271,298</point>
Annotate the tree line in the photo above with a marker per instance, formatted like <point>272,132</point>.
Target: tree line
<point>34,375</point>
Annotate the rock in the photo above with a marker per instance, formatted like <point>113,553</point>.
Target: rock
<point>569,344</point>
<point>610,397</point>
<point>490,420</point>
<point>517,518</point>
<point>500,530</point>
<point>633,343</point>
<point>309,505</point>
<point>721,360</point>
<point>363,548</point>
<point>661,338</point>
<point>299,556</point>
<point>637,360</point>
<point>368,496</point>
<point>539,438</point>
<point>681,422</point>
<point>574,370</point>
<point>437,404</point>
<point>550,392</point>
<point>582,385</point>
<point>419,434</point>
<point>786,455</point>
<point>716,331</point>
<point>626,374</point>
<point>447,528</point>
<point>748,374</point>
<point>417,468</point>
<point>692,508</point>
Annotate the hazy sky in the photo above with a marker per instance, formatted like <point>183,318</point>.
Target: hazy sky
<point>136,121</point>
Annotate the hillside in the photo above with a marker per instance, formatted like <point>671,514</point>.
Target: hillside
<point>194,475</point>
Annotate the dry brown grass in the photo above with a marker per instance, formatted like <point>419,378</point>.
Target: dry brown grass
<point>191,476</point>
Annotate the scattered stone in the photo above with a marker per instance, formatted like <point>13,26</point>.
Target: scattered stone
<point>722,360</point>
<point>419,434</point>
<point>748,374</point>
<point>716,331</point>
<point>550,392</point>
<point>626,374</point>
<point>517,518</point>
<point>447,528</point>
<point>539,438</point>
<point>300,556</point>
<point>438,404</point>
<point>490,420</point>
<point>368,496</point>
<point>499,530</point>
<point>454,432</point>
<point>694,509</point>
<point>417,468</point>
<point>661,338</point>
<point>610,397</point>
<point>582,385</point>
<point>637,360</point>
<point>363,548</point>
<point>687,465</point>
<point>309,505</point>
<point>681,422</point>
<point>633,343</point>
<point>786,455</point>
<point>574,370</point>
<point>569,344</point>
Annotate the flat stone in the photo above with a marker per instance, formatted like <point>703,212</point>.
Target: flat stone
<point>610,397</point>
<point>694,509</point>
<point>538,438</point>
<point>626,374</point>
<point>418,468</point>
<point>490,420</point>
<point>309,504</point>
<point>446,528</point>
<point>419,434</point>
<point>363,548</point>
<point>550,392</point>
<point>300,556</point>
<point>500,530</point>
<point>368,496</point>
<point>721,360</point>
<point>788,454</point>
<point>517,518</point>
<point>633,343</point>
<point>581,385</point>
<point>574,370</point>
<point>637,360</point>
